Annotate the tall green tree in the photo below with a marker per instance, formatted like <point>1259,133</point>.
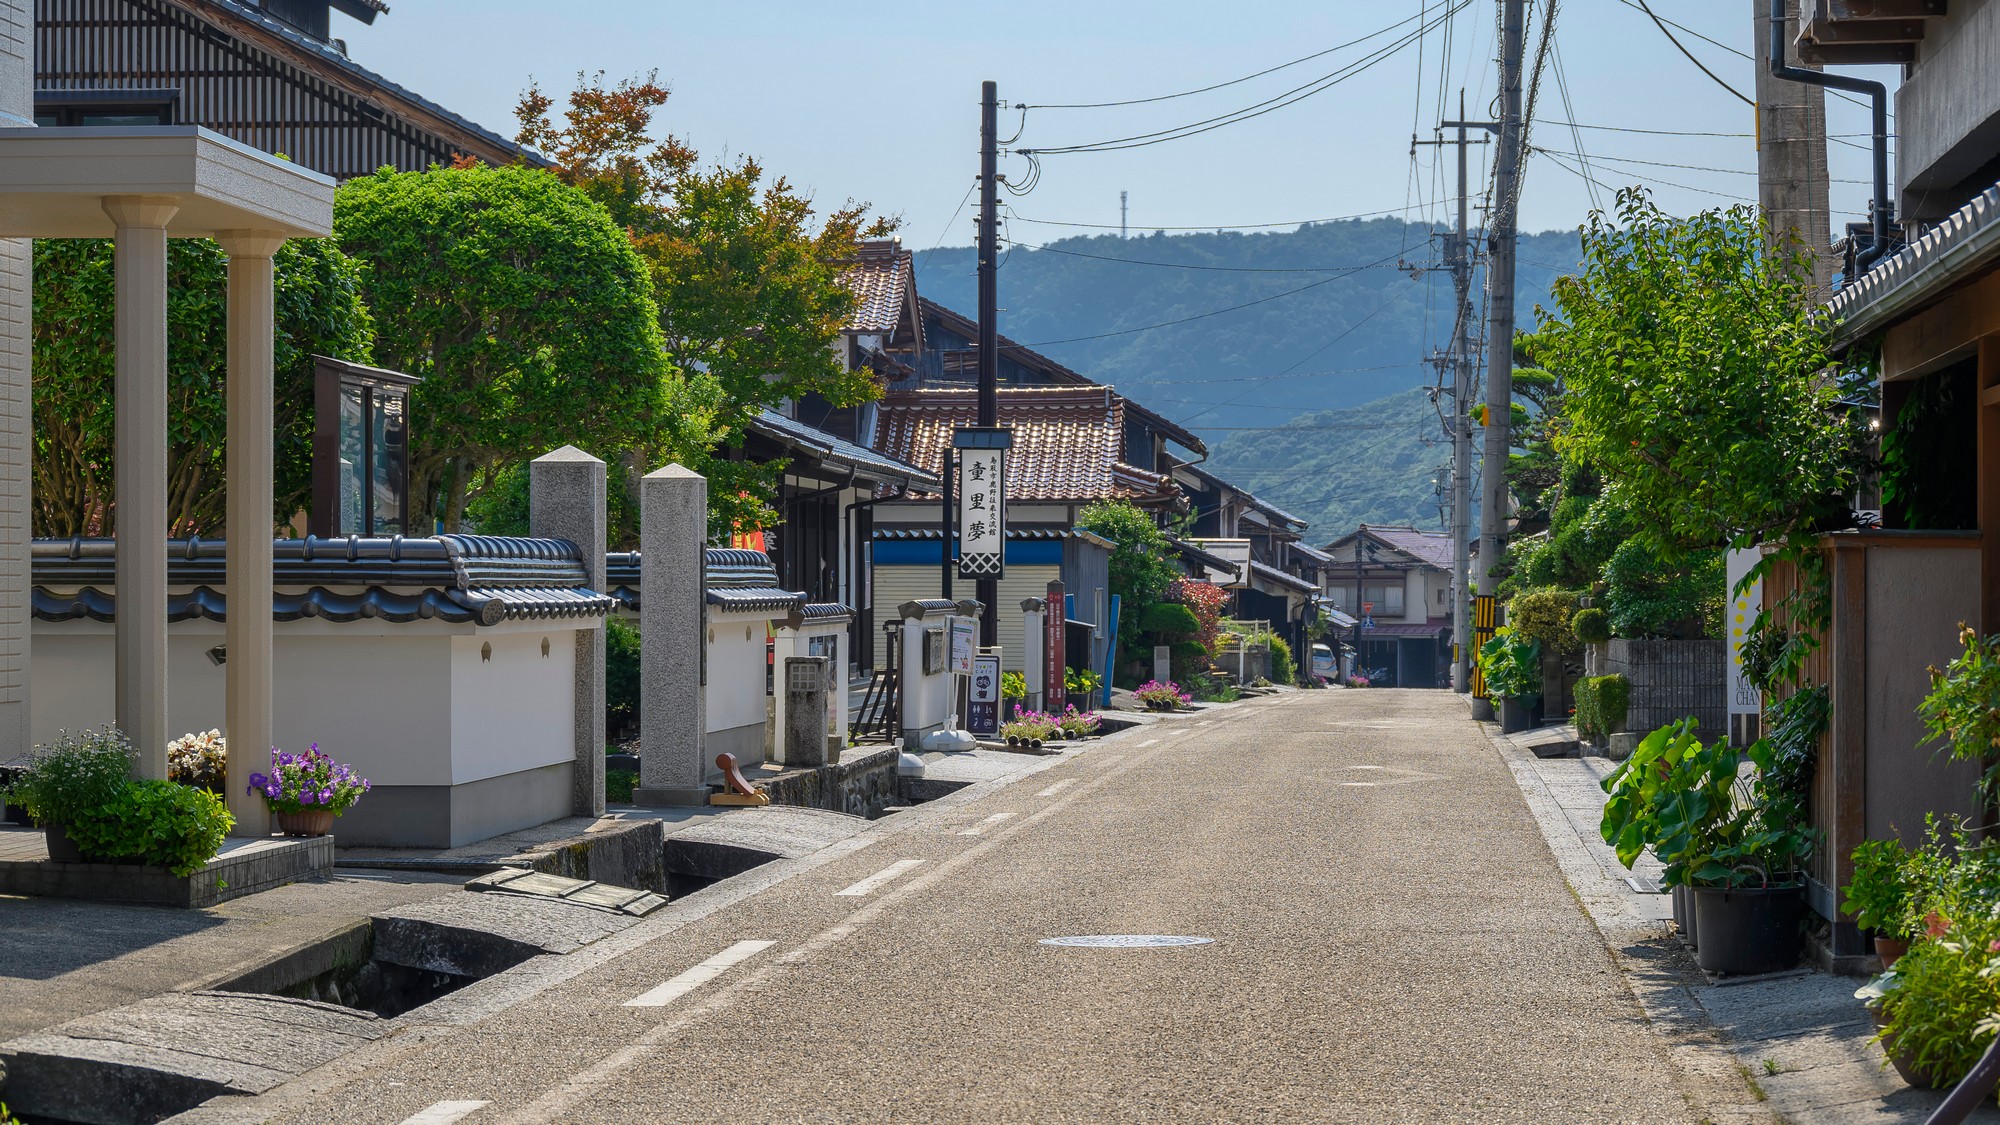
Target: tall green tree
<point>522,305</point>
<point>1696,379</point>
<point>745,269</point>
<point>1140,566</point>
<point>319,311</point>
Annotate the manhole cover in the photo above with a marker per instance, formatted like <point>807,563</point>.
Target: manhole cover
<point>1126,941</point>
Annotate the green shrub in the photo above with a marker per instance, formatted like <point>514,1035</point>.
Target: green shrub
<point>621,675</point>
<point>1939,1000</point>
<point>1649,596</point>
<point>1601,704</point>
<point>1189,660</point>
<point>74,776</point>
<point>1878,897</point>
<point>618,786</point>
<point>1512,665</point>
<point>155,822</point>
<point>1590,626</point>
<point>1544,615</point>
<point>1284,669</point>
<point>1169,620</point>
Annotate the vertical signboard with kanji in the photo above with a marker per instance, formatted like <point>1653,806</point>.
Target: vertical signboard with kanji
<point>983,716</point>
<point>1055,664</point>
<point>982,520</point>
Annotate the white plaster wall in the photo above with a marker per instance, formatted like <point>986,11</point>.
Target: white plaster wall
<point>799,643</point>
<point>926,698</point>
<point>735,694</point>
<point>405,704</point>
<point>1416,607</point>
<point>512,703</point>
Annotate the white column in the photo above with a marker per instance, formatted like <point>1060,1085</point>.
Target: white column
<point>140,339</point>
<point>249,470</point>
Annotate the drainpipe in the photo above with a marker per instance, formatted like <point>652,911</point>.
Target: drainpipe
<point>1881,209</point>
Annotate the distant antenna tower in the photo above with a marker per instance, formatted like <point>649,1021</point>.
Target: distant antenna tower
<point>1121,214</point>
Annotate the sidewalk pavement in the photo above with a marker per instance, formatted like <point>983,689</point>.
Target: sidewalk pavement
<point>1801,1039</point>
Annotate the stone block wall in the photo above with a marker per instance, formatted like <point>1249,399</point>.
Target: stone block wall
<point>1670,681</point>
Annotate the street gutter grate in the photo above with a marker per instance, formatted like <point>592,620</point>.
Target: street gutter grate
<point>1642,885</point>
<point>1126,941</point>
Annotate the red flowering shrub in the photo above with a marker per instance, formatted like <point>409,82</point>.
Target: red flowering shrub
<point>1205,600</point>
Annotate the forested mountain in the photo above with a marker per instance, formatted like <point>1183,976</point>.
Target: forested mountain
<point>1296,355</point>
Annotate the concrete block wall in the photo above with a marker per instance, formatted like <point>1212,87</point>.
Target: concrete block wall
<point>1670,681</point>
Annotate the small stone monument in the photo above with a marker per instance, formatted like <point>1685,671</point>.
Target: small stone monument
<point>805,710</point>
<point>566,500</point>
<point>673,607</point>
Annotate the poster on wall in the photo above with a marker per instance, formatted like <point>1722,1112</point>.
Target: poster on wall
<point>964,644</point>
<point>983,716</point>
<point>1745,701</point>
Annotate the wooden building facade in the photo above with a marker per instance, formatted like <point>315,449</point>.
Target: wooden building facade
<point>269,76</point>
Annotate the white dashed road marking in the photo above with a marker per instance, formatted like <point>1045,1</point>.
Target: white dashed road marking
<point>443,1113</point>
<point>1056,788</point>
<point>1147,743</point>
<point>994,819</point>
<point>868,885</point>
<point>692,979</point>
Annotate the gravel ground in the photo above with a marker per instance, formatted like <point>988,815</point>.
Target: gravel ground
<point>1392,941</point>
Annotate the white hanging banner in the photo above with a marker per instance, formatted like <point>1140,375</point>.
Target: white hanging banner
<point>982,508</point>
<point>1744,698</point>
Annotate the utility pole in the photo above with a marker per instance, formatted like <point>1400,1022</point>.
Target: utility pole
<point>989,313</point>
<point>1500,308</point>
<point>1458,252</point>
<point>1791,152</point>
<point>1121,214</point>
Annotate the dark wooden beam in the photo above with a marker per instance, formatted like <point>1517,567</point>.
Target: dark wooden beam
<point>1863,31</point>
<point>1855,54</point>
<point>1879,9</point>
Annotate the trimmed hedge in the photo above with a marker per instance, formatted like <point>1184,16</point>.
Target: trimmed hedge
<point>1591,626</point>
<point>1601,703</point>
<point>1169,619</point>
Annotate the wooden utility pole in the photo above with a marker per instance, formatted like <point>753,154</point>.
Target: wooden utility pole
<point>989,313</point>
<point>1791,152</point>
<point>1493,493</point>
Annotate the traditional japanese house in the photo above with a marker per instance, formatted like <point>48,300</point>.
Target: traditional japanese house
<point>271,75</point>
<point>1395,582</point>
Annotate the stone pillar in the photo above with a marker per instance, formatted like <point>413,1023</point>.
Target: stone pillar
<point>250,466</point>
<point>1032,640</point>
<point>566,500</point>
<point>673,609</point>
<point>140,340</point>
<point>805,687</point>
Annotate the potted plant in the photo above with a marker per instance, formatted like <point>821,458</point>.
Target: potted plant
<point>1080,684</point>
<point>1078,724</point>
<point>305,791</point>
<point>70,780</point>
<point>1161,697</point>
<point>1738,848</point>
<point>1935,1011</point>
<point>1878,897</point>
<point>1512,665</point>
<point>1013,692</point>
<point>1030,729</point>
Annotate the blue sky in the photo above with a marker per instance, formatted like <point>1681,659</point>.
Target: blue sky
<point>879,102</point>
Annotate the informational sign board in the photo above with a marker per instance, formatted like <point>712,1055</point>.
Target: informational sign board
<point>982,513</point>
<point>1055,662</point>
<point>983,716</point>
<point>964,645</point>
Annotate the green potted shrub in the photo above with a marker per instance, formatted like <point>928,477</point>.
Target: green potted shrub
<point>1737,849</point>
<point>1081,686</point>
<point>1878,897</point>
<point>1936,1010</point>
<point>70,780</point>
<point>1013,692</point>
<point>1512,665</point>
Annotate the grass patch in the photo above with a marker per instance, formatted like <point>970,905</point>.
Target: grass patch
<point>618,786</point>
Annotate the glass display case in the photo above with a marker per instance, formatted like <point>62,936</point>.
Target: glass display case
<point>361,451</point>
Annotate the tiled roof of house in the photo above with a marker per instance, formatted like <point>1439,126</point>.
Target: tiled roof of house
<point>1057,373</point>
<point>1427,546</point>
<point>1067,440</point>
<point>879,277</point>
<point>1962,245</point>
<point>866,463</point>
<point>1212,481</point>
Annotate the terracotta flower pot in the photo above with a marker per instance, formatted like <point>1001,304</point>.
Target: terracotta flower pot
<point>1890,949</point>
<point>316,823</point>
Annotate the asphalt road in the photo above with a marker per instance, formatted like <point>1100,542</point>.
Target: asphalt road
<point>1390,942</point>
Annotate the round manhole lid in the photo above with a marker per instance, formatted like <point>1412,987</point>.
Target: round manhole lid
<point>1126,941</point>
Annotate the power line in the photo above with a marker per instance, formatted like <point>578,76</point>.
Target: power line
<point>1258,109</point>
<point>1343,334</point>
<point>948,225</point>
<point>1602,159</point>
<point>1190,266</point>
<point>1702,66</point>
<point>1224,226</point>
<point>1235,81</point>
<point>1212,312</point>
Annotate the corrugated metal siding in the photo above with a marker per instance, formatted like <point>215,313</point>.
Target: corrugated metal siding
<point>895,585</point>
<point>225,85</point>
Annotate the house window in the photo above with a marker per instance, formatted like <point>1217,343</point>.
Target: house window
<point>69,109</point>
<point>1387,600</point>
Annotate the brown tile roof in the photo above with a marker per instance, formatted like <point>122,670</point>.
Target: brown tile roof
<point>879,278</point>
<point>1430,547</point>
<point>1067,440</point>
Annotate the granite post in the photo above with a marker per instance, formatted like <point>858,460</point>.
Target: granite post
<point>673,608</point>
<point>566,500</point>
<point>806,686</point>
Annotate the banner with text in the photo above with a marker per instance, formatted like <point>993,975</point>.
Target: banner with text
<point>982,507</point>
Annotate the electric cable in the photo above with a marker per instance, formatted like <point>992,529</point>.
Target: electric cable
<point>1702,66</point>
